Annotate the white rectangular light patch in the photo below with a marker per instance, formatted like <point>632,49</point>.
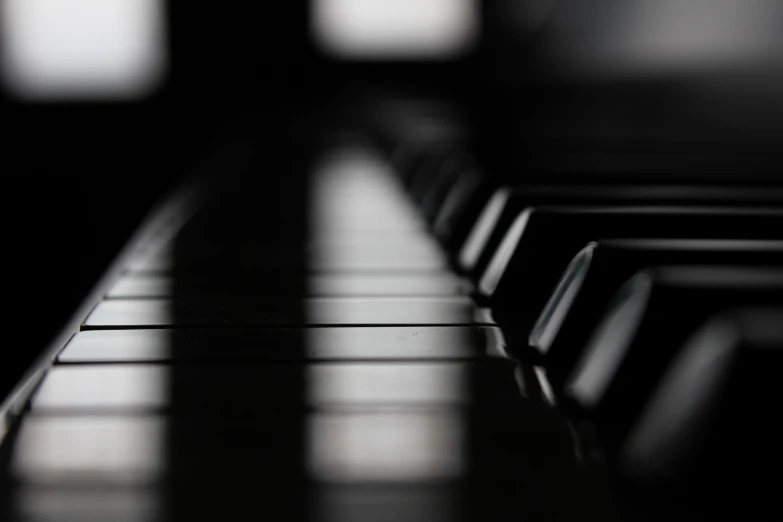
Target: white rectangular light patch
<point>69,49</point>
<point>395,28</point>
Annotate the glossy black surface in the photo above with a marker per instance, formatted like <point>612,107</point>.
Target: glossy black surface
<point>507,203</point>
<point>647,324</point>
<point>461,207</point>
<point>595,274</point>
<point>327,344</point>
<point>540,243</point>
<point>437,190</point>
<point>707,420</point>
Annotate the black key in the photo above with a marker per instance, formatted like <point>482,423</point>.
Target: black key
<point>495,217</point>
<point>461,207</point>
<point>461,204</point>
<point>430,174</point>
<point>158,313</point>
<point>438,189</point>
<point>595,274</point>
<point>708,433</point>
<point>540,243</point>
<point>506,204</point>
<point>649,320</point>
<point>418,157</point>
<point>433,181</point>
<point>280,344</point>
<point>375,284</point>
<point>424,140</point>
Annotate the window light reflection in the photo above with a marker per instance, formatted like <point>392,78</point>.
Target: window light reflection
<point>91,450</point>
<point>386,446</point>
<point>387,383</point>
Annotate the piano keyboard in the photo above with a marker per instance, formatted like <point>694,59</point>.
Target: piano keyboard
<point>393,333</point>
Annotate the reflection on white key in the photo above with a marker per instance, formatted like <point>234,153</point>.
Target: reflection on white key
<point>87,503</point>
<point>91,449</point>
<point>420,502</point>
<point>387,284</point>
<point>120,345</point>
<point>401,342</point>
<point>103,387</point>
<point>388,383</point>
<point>411,310</point>
<point>357,343</point>
<point>386,447</point>
<point>355,190</point>
<point>380,254</point>
<point>127,312</point>
<point>160,258</point>
<point>355,251</point>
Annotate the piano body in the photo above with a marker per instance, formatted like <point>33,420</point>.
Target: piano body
<point>525,265</point>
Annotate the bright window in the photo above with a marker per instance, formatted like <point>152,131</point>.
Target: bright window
<point>81,48</point>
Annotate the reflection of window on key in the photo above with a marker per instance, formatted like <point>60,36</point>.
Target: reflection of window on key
<point>417,446</point>
<point>389,384</point>
<point>90,450</point>
<point>55,49</point>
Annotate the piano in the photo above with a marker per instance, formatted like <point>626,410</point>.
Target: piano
<point>538,280</point>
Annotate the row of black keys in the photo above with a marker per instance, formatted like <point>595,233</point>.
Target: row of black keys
<point>652,313</point>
